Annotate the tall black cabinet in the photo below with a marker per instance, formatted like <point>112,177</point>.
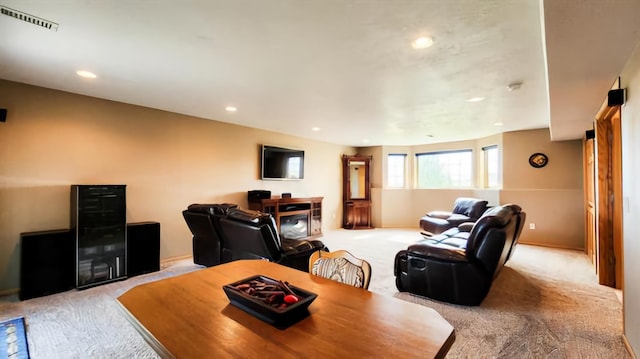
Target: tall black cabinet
<point>99,225</point>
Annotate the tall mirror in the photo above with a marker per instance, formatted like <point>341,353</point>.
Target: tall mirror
<point>356,192</point>
<point>357,179</point>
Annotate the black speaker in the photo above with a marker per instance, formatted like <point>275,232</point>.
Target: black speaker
<point>615,97</point>
<point>3,114</point>
<point>286,195</point>
<point>256,195</point>
<point>143,248</point>
<point>47,263</point>
<point>590,134</point>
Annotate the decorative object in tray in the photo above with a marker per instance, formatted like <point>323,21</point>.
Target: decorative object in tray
<point>273,301</point>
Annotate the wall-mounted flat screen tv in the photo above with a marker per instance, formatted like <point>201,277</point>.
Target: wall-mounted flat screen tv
<point>280,163</point>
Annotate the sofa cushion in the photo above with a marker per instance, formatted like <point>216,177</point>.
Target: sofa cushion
<point>463,205</point>
<point>471,207</point>
<point>450,245</point>
<point>478,209</point>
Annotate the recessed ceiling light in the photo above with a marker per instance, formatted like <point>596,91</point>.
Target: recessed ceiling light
<point>365,140</point>
<point>498,124</point>
<point>475,99</point>
<point>316,129</point>
<point>231,109</point>
<point>86,74</point>
<point>422,43</point>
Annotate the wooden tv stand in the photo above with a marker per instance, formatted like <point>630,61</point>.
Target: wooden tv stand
<point>296,218</point>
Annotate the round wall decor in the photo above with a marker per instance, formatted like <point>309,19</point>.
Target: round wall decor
<point>538,160</point>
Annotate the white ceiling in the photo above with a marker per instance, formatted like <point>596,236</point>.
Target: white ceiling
<point>346,66</point>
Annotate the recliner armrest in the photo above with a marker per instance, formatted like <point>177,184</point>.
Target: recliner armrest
<point>296,246</point>
<point>439,214</point>
<point>466,226</point>
<point>439,251</point>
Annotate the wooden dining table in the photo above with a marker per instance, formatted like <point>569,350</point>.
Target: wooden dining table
<point>190,316</point>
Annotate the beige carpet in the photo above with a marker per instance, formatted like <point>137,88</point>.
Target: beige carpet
<point>544,304</point>
<point>85,323</point>
<point>543,312</point>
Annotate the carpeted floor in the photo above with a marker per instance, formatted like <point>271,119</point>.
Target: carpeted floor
<point>544,304</point>
<point>85,323</point>
<point>529,316</point>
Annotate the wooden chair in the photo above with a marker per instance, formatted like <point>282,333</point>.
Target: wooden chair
<point>342,267</point>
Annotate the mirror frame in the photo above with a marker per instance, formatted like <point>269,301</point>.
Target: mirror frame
<point>364,161</point>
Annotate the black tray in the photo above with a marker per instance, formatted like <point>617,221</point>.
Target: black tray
<point>281,318</point>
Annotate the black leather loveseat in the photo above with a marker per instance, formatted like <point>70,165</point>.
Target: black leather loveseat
<point>224,233</point>
<point>465,209</point>
<point>459,266</point>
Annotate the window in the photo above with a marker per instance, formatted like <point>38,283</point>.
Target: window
<point>491,164</point>
<point>445,169</point>
<point>395,170</point>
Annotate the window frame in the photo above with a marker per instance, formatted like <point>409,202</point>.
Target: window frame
<point>403,172</point>
<point>470,173</point>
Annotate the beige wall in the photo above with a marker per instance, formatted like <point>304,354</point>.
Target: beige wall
<point>564,170</point>
<point>53,139</point>
<point>557,186</point>
<point>630,80</point>
<point>552,196</point>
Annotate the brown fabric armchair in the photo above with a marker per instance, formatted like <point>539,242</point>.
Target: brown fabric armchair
<point>464,210</point>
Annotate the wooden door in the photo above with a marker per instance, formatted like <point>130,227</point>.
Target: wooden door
<point>609,197</point>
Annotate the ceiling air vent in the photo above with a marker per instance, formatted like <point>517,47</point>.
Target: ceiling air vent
<point>38,21</point>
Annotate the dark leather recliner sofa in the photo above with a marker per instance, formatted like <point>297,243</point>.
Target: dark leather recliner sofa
<point>204,222</point>
<point>464,210</point>
<point>253,235</point>
<point>459,267</point>
<point>224,233</point>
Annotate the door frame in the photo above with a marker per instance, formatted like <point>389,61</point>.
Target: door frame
<point>608,204</point>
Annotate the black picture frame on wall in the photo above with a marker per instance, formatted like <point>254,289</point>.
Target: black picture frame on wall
<point>538,160</point>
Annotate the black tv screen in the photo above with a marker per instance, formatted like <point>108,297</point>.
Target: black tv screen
<point>282,163</point>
